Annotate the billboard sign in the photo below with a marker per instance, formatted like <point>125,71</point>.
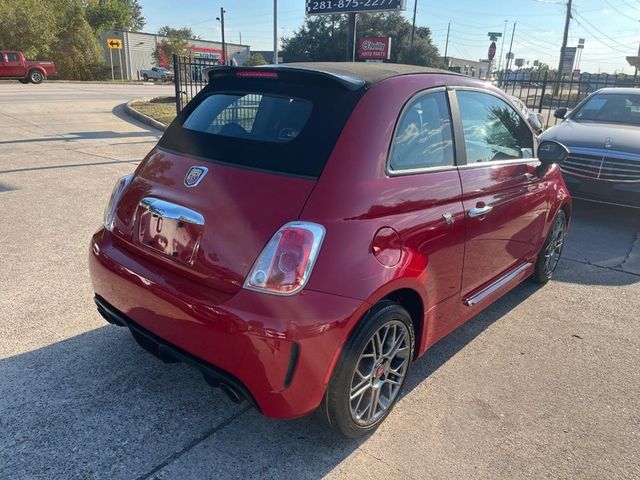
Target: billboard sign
<point>378,48</point>
<point>568,60</point>
<point>330,7</point>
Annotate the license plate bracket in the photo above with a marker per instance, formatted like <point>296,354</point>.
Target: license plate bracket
<point>170,230</point>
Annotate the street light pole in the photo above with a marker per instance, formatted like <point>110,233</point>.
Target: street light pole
<point>224,45</point>
<point>446,46</point>
<point>275,32</point>
<point>413,26</point>
<point>510,53</point>
<point>504,34</point>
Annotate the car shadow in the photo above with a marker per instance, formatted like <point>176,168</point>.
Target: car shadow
<point>98,405</point>
<point>605,236</point>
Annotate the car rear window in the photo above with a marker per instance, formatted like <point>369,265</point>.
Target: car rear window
<point>288,124</point>
<point>253,116</point>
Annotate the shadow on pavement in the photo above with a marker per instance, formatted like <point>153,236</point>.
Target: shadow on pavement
<point>605,236</point>
<point>97,405</point>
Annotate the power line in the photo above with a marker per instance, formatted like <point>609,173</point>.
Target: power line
<point>619,11</point>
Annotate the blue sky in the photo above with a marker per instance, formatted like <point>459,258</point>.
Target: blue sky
<point>608,26</point>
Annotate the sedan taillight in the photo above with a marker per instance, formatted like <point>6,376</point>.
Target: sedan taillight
<point>285,264</point>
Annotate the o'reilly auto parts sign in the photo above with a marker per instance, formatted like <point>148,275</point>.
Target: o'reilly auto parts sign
<point>351,6</point>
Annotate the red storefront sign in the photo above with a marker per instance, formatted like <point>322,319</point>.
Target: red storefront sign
<point>378,48</point>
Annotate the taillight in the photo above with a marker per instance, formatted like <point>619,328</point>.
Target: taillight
<point>110,211</point>
<point>285,264</point>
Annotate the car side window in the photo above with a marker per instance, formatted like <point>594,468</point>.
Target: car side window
<point>423,136</point>
<point>493,130</point>
<point>13,57</point>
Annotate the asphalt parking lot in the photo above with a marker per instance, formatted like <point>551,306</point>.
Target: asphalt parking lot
<point>544,384</point>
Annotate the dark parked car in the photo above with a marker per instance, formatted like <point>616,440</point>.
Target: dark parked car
<point>302,233</point>
<point>603,135</point>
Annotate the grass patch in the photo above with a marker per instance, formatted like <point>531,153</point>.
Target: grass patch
<point>161,109</point>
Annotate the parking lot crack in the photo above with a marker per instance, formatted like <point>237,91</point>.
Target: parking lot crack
<point>173,457</point>
<point>634,249</point>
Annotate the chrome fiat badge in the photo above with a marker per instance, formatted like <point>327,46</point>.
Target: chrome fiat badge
<point>194,176</point>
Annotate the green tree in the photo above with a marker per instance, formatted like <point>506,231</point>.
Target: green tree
<point>324,38</point>
<point>30,26</point>
<point>77,52</point>
<point>114,15</point>
<point>184,33</point>
<point>176,43</point>
<point>255,60</point>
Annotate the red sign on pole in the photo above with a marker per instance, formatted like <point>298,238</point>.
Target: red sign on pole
<point>375,48</point>
<point>492,51</point>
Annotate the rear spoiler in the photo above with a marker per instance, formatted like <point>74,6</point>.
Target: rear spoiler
<point>285,71</point>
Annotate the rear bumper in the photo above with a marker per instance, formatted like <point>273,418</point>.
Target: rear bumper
<point>279,352</point>
<point>609,192</point>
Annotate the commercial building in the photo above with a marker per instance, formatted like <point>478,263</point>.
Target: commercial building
<point>477,69</point>
<point>137,52</point>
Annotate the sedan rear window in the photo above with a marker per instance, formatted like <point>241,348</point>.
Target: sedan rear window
<point>286,123</point>
<point>265,118</point>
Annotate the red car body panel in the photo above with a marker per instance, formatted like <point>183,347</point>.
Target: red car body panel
<point>21,68</point>
<point>384,234</point>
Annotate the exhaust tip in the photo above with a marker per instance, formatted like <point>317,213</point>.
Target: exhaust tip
<point>232,393</point>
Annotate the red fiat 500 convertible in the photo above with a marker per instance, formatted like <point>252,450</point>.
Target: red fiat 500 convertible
<point>302,233</point>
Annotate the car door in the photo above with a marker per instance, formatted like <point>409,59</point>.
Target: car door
<point>504,198</point>
<point>422,161</point>
<point>13,66</point>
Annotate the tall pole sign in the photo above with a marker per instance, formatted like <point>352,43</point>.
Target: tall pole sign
<point>352,8</point>
<point>115,44</point>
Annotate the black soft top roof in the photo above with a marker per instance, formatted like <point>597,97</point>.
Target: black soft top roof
<point>352,75</point>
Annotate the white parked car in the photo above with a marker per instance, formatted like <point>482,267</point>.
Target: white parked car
<point>156,73</point>
<point>534,118</point>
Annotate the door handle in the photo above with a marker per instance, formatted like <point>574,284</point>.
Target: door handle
<point>480,211</point>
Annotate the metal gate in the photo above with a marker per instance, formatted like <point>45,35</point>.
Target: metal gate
<point>544,93</point>
<point>189,79</point>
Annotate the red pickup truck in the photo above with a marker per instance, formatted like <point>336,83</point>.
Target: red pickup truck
<point>15,65</point>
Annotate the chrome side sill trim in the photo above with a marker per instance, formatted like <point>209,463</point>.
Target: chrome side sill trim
<point>497,285</point>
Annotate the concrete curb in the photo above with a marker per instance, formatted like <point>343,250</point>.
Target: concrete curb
<point>141,117</point>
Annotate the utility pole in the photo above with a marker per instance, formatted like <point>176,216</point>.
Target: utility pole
<point>351,37</point>
<point>275,32</point>
<point>224,45</point>
<point>510,53</point>
<point>504,34</point>
<point>413,26</point>
<point>567,20</point>
<point>446,46</point>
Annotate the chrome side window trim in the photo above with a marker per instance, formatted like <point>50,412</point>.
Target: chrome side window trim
<point>414,171</point>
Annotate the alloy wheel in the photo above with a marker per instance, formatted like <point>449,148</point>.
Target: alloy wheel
<point>379,373</point>
<point>554,247</point>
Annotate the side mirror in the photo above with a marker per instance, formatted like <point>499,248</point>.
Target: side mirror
<point>550,152</point>
<point>560,112</point>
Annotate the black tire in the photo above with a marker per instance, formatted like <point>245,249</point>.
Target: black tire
<point>145,77</point>
<point>23,81</point>
<point>36,77</point>
<point>549,256</point>
<point>337,408</point>
<point>163,78</point>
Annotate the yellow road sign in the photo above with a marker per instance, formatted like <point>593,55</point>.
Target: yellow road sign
<point>114,43</point>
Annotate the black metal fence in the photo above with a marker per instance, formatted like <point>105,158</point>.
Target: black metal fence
<point>189,77</point>
<point>540,91</point>
<point>544,93</point>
